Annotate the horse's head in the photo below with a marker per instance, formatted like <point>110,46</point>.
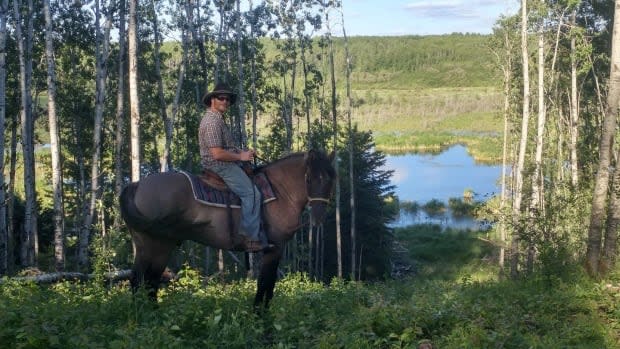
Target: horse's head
<point>320,176</point>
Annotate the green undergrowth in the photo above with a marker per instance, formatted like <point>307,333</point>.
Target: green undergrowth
<point>454,300</point>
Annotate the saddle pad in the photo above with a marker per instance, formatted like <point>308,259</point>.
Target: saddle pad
<point>211,196</point>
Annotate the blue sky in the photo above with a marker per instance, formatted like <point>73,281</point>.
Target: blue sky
<point>423,17</point>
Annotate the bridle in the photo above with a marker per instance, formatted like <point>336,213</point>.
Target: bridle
<point>310,199</point>
<point>313,198</point>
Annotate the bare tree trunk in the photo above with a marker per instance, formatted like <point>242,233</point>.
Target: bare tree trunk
<point>507,69</point>
<point>335,141</point>
<point>29,248</point>
<point>518,196</point>
<point>59,249</point>
<point>11,191</point>
<point>599,196</point>
<point>101,51</point>
<point>536,205</point>
<point>165,161</point>
<point>120,108</point>
<point>351,172</point>
<point>574,109</point>
<point>608,257</point>
<point>4,232</point>
<point>537,183</point>
<point>134,100</point>
<point>241,103</point>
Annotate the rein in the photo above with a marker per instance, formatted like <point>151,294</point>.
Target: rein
<point>310,198</point>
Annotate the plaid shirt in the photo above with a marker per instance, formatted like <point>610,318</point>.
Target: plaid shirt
<point>213,132</point>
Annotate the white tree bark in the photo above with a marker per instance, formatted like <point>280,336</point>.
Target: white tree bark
<point>29,247</point>
<point>518,195</point>
<point>4,235</point>
<point>120,107</point>
<point>601,185</point>
<point>574,108</point>
<point>59,250</point>
<point>134,100</point>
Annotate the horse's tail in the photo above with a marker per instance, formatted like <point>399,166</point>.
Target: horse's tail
<point>129,211</point>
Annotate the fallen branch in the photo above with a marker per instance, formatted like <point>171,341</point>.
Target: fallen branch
<point>59,276</point>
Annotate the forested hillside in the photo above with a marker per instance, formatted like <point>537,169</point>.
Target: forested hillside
<point>422,92</point>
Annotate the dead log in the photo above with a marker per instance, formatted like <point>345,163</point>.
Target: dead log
<point>51,278</point>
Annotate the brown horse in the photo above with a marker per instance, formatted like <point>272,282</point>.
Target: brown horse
<point>160,211</point>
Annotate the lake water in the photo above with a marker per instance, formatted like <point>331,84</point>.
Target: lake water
<point>423,177</point>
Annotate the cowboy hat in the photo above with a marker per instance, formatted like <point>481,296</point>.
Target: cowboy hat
<point>221,88</point>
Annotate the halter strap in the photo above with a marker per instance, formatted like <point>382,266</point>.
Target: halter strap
<point>310,199</point>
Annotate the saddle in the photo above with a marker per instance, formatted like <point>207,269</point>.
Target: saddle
<point>209,189</point>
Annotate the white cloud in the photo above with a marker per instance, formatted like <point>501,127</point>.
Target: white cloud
<point>454,9</point>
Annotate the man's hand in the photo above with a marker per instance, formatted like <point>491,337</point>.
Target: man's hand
<point>247,155</point>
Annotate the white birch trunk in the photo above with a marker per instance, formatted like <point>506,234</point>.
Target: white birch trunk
<point>518,195</point>
<point>59,250</point>
<point>240,76</point>
<point>599,197</point>
<point>134,100</point>
<point>102,43</point>
<point>4,233</point>
<point>120,107</point>
<point>24,43</point>
<point>574,109</point>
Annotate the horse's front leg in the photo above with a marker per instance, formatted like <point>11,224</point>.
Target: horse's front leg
<point>268,276</point>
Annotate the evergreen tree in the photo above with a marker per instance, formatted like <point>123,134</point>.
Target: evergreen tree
<point>372,187</point>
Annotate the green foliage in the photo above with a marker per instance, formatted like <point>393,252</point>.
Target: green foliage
<point>434,207</point>
<point>463,208</point>
<point>372,190</point>
<point>460,309</point>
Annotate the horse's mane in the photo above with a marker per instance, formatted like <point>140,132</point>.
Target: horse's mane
<point>277,161</point>
<point>316,160</point>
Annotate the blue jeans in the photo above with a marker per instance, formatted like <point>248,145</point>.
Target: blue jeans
<point>239,183</point>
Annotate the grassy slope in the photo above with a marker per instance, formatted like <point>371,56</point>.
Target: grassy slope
<point>424,92</point>
<point>454,301</point>
<point>421,92</point>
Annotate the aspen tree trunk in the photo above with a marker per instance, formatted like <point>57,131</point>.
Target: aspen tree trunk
<point>335,140</point>
<point>59,249</point>
<point>537,183</point>
<point>507,70</point>
<point>165,161</point>
<point>134,100</point>
<point>199,42</point>
<point>29,248</point>
<point>351,172</point>
<point>120,108</point>
<point>240,76</point>
<point>180,80</point>
<point>599,196</point>
<point>102,48</point>
<point>254,100</point>
<point>574,107</point>
<point>518,196</point>
<point>10,210</point>
<point>608,257</point>
<point>4,233</point>
<point>536,204</point>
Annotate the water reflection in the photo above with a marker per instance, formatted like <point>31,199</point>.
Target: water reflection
<point>423,177</point>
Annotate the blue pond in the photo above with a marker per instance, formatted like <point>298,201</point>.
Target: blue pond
<point>423,177</point>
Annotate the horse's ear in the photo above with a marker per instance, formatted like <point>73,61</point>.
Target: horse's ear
<point>331,156</point>
<point>310,155</point>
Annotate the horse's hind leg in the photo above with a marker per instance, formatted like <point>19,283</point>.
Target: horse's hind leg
<point>151,255</point>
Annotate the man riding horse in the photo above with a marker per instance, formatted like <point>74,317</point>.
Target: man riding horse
<point>219,154</point>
